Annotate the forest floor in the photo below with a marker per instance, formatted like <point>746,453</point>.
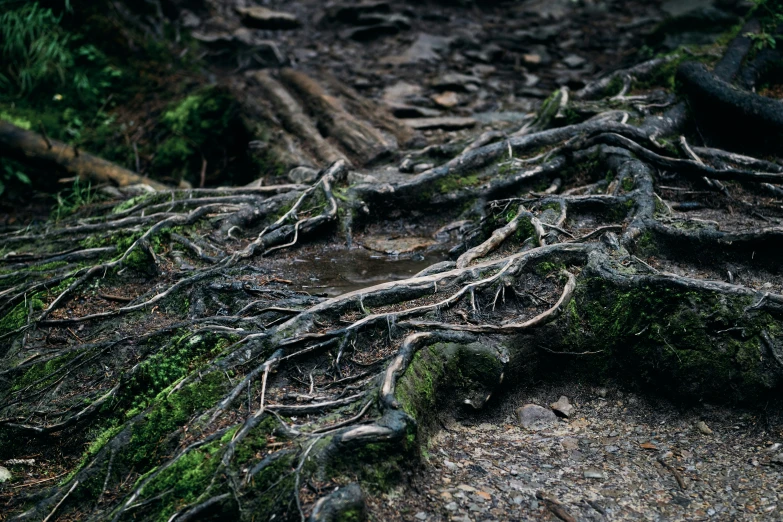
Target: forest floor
<point>447,75</point>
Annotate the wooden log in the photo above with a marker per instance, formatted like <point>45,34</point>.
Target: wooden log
<point>294,119</point>
<point>30,147</point>
<point>361,140</point>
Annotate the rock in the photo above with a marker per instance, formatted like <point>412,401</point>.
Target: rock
<point>774,447</point>
<point>593,474</point>
<point>602,392</point>
<point>446,99</point>
<point>5,475</point>
<point>573,61</point>
<point>188,19</point>
<point>422,167</point>
<point>562,407</point>
<point>426,48</point>
<point>445,123</point>
<point>421,515</point>
<point>406,166</point>
<point>395,246</point>
<point>777,459</point>
<point>703,428</point>
<point>263,18</point>
<point>534,417</point>
<point>456,81</point>
<point>569,443</point>
<point>302,175</point>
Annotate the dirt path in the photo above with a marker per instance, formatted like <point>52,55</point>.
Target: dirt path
<point>620,456</point>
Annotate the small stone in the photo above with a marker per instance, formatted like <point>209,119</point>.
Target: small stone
<point>421,515</point>
<point>534,417</point>
<point>484,495</point>
<point>573,61</point>
<point>5,475</point>
<point>455,81</point>
<point>445,495</point>
<point>703,428</point>
<point>302,175</point>
<point>593,474</point>
<point>263,18</point>
<point>569,443</point>
<point>465,487</point>
<point>450,465</point>
<point>562,407</point>
<point>406,166</point>
<point>602,392</point>
<point>422,167</point>
<point>777,459</point>
<point>446,99</point>
<point>774,447</point>
<point>451,506</point>
<point>188,19</point>
<point>531,59</point>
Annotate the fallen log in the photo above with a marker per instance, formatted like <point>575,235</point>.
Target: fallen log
<point>30,147</point>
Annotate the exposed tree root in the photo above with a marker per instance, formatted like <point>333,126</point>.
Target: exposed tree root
<point>245,398</point>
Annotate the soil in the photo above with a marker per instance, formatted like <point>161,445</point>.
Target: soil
<point>620,456</point>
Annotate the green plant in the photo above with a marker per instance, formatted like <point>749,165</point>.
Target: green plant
<point>10,174</point>
<point>34,48</point>
<point>68,201</point>
<point>770,15</point>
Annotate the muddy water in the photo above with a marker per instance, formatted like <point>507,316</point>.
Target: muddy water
<point>336,272</point>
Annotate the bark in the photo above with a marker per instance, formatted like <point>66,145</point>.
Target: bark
<point>28,146</point>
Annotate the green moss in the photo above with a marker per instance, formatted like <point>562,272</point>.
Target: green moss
<point>17,317</point>
<point>452,183</point>
<point>646,244</point>
<point>547,267</point>
<point>700,344</point>
<point>169,412</point>
<point>41,374</point>
<point>416,388</point>
<point>186,481</point>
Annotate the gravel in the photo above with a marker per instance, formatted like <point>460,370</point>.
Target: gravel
<point>619,456</point>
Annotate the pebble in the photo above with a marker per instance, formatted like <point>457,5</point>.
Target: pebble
<point>593,474</point>
<point>703,428</point>
<point>5,475</point>
<point>535,417</point>
<point>562,406</point>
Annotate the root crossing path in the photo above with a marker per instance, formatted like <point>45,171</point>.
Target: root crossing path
<point>164,359</point>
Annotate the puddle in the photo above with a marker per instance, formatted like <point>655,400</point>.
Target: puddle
<point>337,272</point>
